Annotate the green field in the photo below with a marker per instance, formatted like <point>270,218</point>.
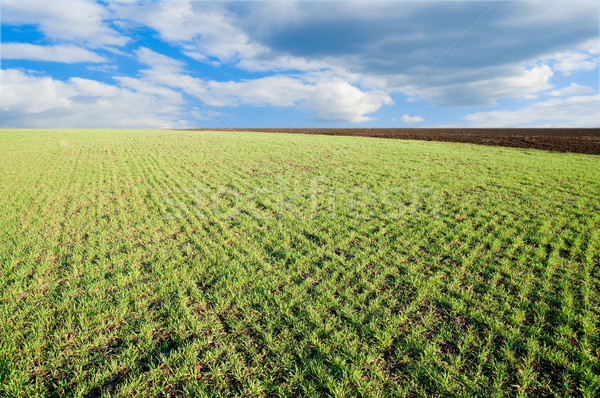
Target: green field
<point>166,263</point>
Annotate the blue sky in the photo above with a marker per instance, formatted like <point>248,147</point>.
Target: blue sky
<point>299,64</point>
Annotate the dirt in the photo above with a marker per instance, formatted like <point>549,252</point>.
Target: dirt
<point>579,140</point>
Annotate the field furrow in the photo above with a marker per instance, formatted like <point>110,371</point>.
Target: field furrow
<point>163,263</point>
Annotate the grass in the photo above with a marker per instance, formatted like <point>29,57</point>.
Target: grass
<point>163,263</point>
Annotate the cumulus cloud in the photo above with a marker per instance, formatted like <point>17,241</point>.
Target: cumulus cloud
<point>573,89</point>
<point>575,111</point>
<point>278,91</point>
<point>326,101</point>
<point>485,90</point>
<point>391,42</point>
<point>575,62</point>
<point>209,32</point>
<point>341,102</point>
<point>29,100</point>
<point>569,62</point>
<point>71,21</point>
<point>59,53</point>
<point>581,56</point>
<point>203,28</point>
<point>412,119</point>
<point>157,97</point>
<point>158,62</point>
<point>328,98</point>
<point>337,61</point>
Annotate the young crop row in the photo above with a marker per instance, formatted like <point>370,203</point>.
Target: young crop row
<point>146,263</point>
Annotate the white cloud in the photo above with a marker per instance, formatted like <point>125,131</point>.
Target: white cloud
<point>327,97</point>
<point>278,91</point>
<point>72,21</point>
<point>339,101</point>
<point>157,61</point>
<point>104,68</point>
<point>38,101</point>
<point>202,29</point>
<point>327,101</point>
<point>573,89</point>
<point>281,36</point>
<point>143,87</point>
<point>207,31</point>
<point>520,83</point>
<point>575,62</point>
<point>576,111</point>
<point>502,57</point>
<point>59,53</point>
<point>538,13</point>
<point>156,97</point>
<point>346,58</point>
<point>582,58</point>
<point>412,119</point>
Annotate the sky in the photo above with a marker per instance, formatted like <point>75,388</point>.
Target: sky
<point>180,64</point>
